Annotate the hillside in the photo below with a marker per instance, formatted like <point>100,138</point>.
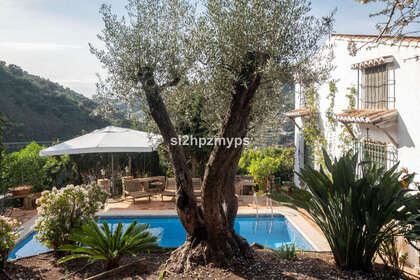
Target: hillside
<point>39,109</point>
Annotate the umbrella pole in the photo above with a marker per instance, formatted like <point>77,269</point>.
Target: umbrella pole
<point>129,165</point>
<point>113,175</point>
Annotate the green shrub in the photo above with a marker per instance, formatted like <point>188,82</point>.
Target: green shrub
<point>286,251</point>
<point>8,237</point>
<point>99,243</point>
<point>280,159</point>
<point>27,167</point>
<point>62,211</point>
<point>261,169</point>
<point>355,213</point>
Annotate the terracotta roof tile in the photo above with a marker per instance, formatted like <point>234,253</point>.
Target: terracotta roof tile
<point>297,113</point>
<point>386,38</point>
<point>367,116</point>
<point>373,62</point>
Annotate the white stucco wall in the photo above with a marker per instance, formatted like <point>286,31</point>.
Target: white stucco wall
<point>407,99</point>
<point>406,131</point>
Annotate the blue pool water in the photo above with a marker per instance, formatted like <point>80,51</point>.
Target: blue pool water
<point>270,232</point>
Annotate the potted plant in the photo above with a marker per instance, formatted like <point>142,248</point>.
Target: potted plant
<point>21,190</point>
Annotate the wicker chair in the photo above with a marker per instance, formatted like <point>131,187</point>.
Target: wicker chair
<point>123,180</point>
<point>136,189</point>
<point>170,188</point>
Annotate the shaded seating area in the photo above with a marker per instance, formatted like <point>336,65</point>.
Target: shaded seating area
<point>170,187</point>
<point>162,186</point>
<point>142,187</point>
<point>135,188</point>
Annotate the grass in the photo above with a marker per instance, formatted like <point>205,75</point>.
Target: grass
<point>287,251</point>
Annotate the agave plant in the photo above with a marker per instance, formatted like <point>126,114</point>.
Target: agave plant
<point>355,213</point>
<point>99,243</point>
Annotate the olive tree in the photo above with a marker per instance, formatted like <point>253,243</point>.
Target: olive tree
<point>242,53</point>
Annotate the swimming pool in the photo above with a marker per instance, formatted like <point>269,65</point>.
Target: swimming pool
<point>265,230</point>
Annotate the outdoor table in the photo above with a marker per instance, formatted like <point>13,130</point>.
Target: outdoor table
<point>28,199</point>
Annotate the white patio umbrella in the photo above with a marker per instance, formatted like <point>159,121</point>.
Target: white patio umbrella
<point>110,139</point>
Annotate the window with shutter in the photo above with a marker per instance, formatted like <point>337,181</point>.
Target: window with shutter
<point>375,89</point>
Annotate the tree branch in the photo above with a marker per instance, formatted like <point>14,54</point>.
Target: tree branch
<point>387,23</point>
<point>172,83</point>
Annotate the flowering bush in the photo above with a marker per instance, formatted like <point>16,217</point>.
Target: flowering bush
<point>61,211</point>
<point>8,237</point>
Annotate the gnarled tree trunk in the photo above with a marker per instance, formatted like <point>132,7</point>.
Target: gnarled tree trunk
<point>210,227</point>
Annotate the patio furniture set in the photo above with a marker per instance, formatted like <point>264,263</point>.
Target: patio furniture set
<point>160,185</point>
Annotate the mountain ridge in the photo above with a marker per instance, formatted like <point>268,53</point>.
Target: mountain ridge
<point>41,110</point>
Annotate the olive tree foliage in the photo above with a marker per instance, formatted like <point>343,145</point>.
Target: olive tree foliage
<point>398,15</point>
<point>238,55</point>
<point>281,33</point>
<point>396,18</point>
<point>153,34</point>
<point>180,43</point>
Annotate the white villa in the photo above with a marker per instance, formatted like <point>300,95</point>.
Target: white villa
<point>385,121</point>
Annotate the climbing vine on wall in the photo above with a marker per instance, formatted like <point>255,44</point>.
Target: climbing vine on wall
<point>312,133</point>
<point>331,97</point>
<point>351,95</point>
<point>345,138</point>
<point>329,114</point>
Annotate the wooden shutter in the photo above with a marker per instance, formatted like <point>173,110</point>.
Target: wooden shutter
<point>375,87</point>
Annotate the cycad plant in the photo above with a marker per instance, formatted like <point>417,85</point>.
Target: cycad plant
<point>99,243</point>
<point>355,213</point>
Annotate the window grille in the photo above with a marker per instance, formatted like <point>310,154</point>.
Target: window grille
<point>377,88</point>
<point>374,152</point>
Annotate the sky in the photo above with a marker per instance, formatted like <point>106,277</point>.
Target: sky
<point>49,38</point>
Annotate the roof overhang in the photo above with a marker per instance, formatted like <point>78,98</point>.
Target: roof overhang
<point>373,62</point>
<point>367,116</point>
<point>296,113</point>
<point>377,118</point>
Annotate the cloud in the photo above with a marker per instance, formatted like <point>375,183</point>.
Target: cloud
<point>29,46</point>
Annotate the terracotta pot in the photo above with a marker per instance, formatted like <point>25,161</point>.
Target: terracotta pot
<point>21,190</point>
